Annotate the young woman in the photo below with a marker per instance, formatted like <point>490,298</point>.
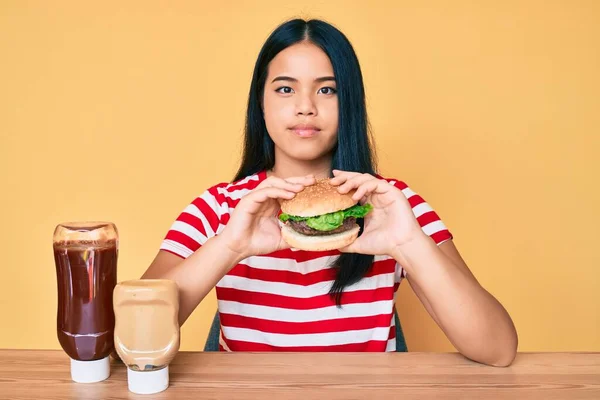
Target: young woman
<point>306,119</point>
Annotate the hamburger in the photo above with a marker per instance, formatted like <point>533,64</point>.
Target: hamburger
<point>319,218</point>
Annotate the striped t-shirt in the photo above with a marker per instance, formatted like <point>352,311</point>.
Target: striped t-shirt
<point>280,301</point>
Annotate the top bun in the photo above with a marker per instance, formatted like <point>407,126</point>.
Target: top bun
<point>318,199</point>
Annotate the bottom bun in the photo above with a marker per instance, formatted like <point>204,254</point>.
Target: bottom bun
<point>318,243</point>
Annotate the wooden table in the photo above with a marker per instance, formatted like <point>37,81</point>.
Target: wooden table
<point>34,374</point>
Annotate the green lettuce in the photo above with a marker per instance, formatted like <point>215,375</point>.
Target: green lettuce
<point>331,221</point>
<point>357,211</point>
<point>326,222</point>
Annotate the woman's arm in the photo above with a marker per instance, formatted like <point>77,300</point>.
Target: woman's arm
<point>472,319</point>
<point>196,275</point>
<point>253,229</point>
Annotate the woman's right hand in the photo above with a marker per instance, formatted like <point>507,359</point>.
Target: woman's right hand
<point>253,228</point>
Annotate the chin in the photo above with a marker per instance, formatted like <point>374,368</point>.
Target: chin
<point>304,150</point>
<point>307,157</point>
<point>308,153</point>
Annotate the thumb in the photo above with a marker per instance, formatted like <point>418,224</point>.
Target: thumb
<point>283,245</point>
<point>351,248</point>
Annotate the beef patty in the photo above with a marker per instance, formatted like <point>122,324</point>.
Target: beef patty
<point>301,227</point>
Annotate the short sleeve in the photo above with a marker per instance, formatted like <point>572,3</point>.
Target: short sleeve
<point>201,220</point>
<point>428,219</point>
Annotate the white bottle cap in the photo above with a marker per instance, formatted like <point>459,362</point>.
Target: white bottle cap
<point>90,371</point>
<point>148,382</point>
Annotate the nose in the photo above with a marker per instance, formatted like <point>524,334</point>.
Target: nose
<point>305,105</point>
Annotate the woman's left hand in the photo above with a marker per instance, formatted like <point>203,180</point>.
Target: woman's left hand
<point>390,224</point>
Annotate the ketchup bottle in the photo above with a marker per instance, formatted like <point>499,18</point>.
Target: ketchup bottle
<point>85,255</point>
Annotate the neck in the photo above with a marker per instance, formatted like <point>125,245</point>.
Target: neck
<point>286,168</point>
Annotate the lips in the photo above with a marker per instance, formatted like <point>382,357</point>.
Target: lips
<point>305,130</point>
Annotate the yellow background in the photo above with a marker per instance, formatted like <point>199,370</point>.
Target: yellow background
<point>125,111</point>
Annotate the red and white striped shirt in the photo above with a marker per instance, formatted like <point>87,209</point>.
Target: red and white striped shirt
<point>280,301</point>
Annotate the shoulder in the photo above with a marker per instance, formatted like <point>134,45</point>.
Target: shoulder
<point>206,215</point>
<point>428,218</point>
<point>398,183</point>
<point>225,195</point>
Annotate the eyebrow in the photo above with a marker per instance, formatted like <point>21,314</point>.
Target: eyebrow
<point>290,79</point>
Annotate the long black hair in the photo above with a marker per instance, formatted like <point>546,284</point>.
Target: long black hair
<point>354,150</point>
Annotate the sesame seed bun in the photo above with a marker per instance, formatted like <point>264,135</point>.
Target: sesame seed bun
<point>318,199</point>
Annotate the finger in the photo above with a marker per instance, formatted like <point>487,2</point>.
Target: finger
<point>337,172</point>
<point>271,181</point>
<point>338,180</point>
<point>282,184</point>
<point>355,182</point>
<point>283,245</point>
<point>377,186</point>
<point>341,179</point>
<point>303,180</point>
<point>262,195</point>
<point>341,176</point>
<point>351,248</point>
<point>365,189</point>
<point>266,183</point>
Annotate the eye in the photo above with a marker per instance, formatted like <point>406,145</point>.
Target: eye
<point>286,90</point>
<point>328,90</point>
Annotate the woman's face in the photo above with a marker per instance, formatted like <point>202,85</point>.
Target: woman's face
<point>300,103</point>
